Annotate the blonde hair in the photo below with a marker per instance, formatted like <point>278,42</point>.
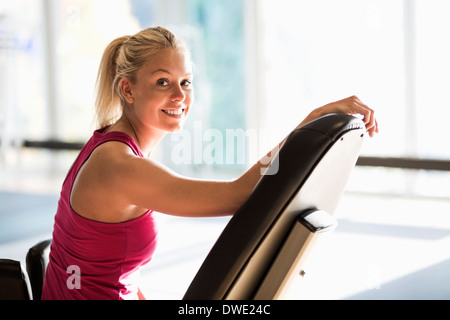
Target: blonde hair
<point>122,58</point>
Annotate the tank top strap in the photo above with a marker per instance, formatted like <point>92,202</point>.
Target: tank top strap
<point>100,137</point>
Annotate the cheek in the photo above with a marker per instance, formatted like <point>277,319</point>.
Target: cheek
<point>190,97</point>
<point>152,101</point>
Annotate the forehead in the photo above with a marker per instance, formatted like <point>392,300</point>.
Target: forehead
<point>170,60</point>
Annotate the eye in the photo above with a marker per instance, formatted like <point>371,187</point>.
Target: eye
<point>186,83</point>
<point>163,82</point>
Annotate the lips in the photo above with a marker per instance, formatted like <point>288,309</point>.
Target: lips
<point>173,112</point>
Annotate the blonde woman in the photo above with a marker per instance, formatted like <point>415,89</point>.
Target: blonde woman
<point>104,229</point>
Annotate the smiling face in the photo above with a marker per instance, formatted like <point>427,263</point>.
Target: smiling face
<point>162,93</point>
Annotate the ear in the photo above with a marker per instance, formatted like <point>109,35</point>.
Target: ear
<point>126,87</point>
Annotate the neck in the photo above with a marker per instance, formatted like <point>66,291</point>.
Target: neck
<point>146,138</point>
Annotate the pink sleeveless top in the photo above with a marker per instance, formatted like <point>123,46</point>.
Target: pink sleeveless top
<point>91,259</point>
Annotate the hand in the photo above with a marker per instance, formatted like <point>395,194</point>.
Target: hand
<point>354,106</point>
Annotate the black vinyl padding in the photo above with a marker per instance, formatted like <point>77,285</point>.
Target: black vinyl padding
<point>36,264</point>
<point>297,158</point>
<point>13,283</point>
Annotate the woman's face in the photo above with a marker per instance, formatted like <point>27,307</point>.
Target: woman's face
<point>163,92</point>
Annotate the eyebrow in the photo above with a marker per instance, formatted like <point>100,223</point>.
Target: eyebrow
<point>161,70</point>
<point>165,71</point>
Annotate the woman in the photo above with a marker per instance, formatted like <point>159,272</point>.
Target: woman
<point>104,229</point>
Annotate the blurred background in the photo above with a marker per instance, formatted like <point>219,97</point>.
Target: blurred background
<point>261,66</point>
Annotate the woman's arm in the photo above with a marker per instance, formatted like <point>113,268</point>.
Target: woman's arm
<point>147,184</point>
<point>351,105</point>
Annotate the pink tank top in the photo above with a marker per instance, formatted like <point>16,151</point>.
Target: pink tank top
<point>91,259</point>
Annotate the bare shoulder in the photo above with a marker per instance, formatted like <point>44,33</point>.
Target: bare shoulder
<point>99,190</point>
<point>110,155</point>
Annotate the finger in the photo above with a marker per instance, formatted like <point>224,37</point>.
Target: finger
<point>369,116</point>
<point>368,113</point>
<point>357,107</point>
<point>376,126</point>
<point>373,129</point>
<point>369,119</point>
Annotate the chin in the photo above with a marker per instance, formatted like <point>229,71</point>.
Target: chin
<point>177,128</point>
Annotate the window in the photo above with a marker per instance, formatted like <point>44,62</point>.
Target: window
<point>211,142</point>
<point>22,92</point>
<point>52,65</point>
<point>389,53</point>
<point>261,66</point>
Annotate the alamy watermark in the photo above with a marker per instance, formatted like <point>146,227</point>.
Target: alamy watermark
<point>74,280</point>
<point>213,146</point>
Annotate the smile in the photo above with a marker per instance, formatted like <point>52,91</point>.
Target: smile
<point>177,112</point>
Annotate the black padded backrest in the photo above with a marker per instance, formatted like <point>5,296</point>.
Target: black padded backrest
<point>14,283</point>
<point>313,168</point>
<point>37,261</point>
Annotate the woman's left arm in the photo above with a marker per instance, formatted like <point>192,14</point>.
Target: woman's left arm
<point>148,184</point>
<point>351,105</point>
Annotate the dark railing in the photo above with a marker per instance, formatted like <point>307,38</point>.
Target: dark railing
<point>53,144</point>
<point>405,163</point>
<point>388,162</point>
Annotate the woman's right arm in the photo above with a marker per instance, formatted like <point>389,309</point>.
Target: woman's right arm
<point>148,184</point>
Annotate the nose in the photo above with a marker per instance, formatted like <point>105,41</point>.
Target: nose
<point>178,94</point>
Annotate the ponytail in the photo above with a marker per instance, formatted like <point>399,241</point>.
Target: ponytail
<point>107,104</point>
